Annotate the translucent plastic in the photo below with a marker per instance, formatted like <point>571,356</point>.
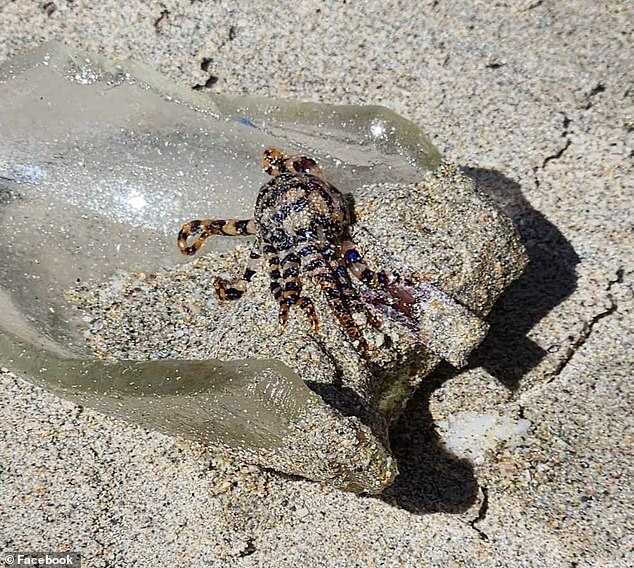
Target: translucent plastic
<point>100,163</point>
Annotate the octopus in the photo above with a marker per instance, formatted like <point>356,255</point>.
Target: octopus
<point>301,226</point>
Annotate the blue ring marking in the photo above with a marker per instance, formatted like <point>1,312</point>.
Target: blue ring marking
<point>351,255</point>
<point>233,294</point>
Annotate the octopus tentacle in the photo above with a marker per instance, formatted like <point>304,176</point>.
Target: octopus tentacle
<point>235,288</point>
<point>362,271</point>
<point>204,228</point>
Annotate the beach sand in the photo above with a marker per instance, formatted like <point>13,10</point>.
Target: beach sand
<point>522,459</point>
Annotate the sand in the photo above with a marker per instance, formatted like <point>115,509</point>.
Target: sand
<point>534,100</point>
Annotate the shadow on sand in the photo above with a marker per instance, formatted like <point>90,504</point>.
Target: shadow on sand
<point>432,479</point>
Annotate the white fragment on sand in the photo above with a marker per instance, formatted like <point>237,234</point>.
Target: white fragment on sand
<point>471,434</point>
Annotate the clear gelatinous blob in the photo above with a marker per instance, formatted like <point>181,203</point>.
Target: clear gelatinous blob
<point>100,163</point>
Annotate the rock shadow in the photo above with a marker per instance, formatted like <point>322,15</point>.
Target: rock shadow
<point>549,278</point>
<point>431,478</point>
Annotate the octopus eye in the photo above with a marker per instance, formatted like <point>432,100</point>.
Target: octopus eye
<point>304,165</point>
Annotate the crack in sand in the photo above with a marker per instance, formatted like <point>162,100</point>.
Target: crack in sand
<point>589,326</point>
<point>482,512</point>
<point>597,89</point>
<point>559,153</point>
<point>163,17</point>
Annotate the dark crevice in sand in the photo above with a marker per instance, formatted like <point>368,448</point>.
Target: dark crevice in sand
<point>482,512</point>
<point>565,134</point>
<point>597,89</point>
<point>208,84</point>
<point>588,328</point>
<point>231,35</point>
<point>78,410</point>
<point>248,549</point>
<point>49,8</point>
<point>559,153</point>
<point>535,5</point>
<point>206,63</point>
<point>163,16</point>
